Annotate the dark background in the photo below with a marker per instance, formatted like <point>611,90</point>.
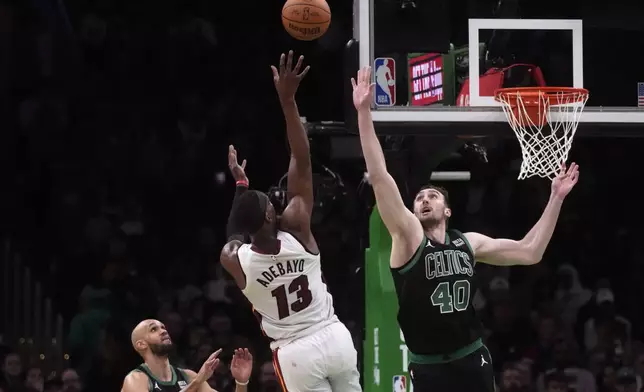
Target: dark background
<point>115,119</point>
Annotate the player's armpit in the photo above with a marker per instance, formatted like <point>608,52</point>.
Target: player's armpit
<point>501,251</point>
<point>135,382</point>
<point>230,262</point>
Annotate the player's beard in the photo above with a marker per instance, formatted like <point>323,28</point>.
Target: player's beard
<point>161,350</point>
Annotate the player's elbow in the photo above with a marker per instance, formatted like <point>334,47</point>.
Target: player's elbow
<point>377,176</point>
<point>531,259</point>
<point>529,255</point>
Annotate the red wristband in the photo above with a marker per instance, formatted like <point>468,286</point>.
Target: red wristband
<point>242,183</point>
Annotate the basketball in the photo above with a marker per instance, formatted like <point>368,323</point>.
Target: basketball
<point>306,20</point>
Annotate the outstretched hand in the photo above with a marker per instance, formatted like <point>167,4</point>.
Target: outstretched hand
<point>236,170</point>
<point>288,78</point>
<point>208,367</point>
<point>242,365</point>
<point>565,180</point>
<point>363,89</point>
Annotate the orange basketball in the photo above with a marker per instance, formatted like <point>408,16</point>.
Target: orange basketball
<point>306,20</point>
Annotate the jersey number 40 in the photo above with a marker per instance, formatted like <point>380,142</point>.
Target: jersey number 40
<point>450,297</point>
<point>300,286</point>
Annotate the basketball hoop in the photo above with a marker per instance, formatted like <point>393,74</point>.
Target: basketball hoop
<point>544,120</point>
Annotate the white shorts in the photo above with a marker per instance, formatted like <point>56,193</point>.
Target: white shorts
<point>322,362</point>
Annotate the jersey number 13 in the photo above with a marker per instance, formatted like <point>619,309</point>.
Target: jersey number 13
<point>299,286</point>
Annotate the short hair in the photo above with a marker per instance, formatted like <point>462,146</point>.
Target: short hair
<point>437,188</point>
<point>249,211</point>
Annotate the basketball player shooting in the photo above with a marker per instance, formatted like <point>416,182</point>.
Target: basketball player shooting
<point>151,340</point>
<point>435,314</point>
<point>280,272</point>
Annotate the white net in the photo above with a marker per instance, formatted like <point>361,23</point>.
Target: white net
<point>545,124</point>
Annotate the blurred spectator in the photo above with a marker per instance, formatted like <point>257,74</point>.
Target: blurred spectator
<point>34,381</point>
<point>570,294</point>
<point>217,287</point>
<point>511,379</point>
<point>12,373</point>
<point>605,329</point>
<point>267,379</point>
<point>510,331</point>
<point>556,381</point>
<point>71,381</point>
<point>626,381</point>
<point>565,359</point>
<point>53,385</point>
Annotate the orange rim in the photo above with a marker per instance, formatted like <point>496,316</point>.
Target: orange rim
<point>531,96</point>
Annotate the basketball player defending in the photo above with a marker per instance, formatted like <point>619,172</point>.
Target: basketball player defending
<point>280,272</point>
<point>433,268</point>
<point>151,340</point>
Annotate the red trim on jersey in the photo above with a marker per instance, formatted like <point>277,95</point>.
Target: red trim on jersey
<point>278,370</point>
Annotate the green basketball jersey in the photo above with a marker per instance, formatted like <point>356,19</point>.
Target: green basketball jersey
<point>179,380</point>
<point>435,290</point>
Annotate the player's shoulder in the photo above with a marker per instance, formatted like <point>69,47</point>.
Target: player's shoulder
<point>135,381</point>
<point>298,242</point>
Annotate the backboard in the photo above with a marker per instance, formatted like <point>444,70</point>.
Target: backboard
<point>447,68</point>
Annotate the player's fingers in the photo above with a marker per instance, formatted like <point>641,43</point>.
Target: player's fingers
<point>298,65</point>
<point>276,75</point>
<point>289,61</point>
<point>353,83</point>
<point>282,61</point>
<point>368,76</point>
<point>243,165</point>
<point>216,353</point>
<point>573,168</point>
<point>215,364</point>
<point>303,74</point>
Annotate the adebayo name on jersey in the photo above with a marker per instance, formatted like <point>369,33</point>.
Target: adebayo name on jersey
<point>280,268</point>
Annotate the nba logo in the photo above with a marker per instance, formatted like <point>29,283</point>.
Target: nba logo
<point>385,72</point>
<point>400,384</point>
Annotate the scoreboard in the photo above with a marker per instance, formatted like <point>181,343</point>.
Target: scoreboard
<point>425,75</point>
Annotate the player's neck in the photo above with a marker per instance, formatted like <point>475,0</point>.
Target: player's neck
<point>266,244</point>
<point>159,367</point>
<point>436,233</point>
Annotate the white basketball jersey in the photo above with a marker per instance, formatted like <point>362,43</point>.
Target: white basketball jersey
<point>286,290</point>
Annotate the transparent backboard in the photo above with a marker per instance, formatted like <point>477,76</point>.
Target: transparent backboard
<point>440,61</point>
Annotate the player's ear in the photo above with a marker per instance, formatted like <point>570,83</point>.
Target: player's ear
<point>270,214</point>
<point>141,345</point>
<point>448,212</point>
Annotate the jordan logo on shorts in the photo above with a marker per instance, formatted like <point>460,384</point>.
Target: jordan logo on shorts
<point>483,361</point>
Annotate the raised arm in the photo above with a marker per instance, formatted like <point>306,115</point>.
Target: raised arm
<point>199,381</point>
<point>401,223</point>
<point>297,215</point>
<point>233,229</point>
<point>530,249</point>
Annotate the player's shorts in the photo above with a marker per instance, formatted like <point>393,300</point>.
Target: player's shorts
<point>473,373</point>
<point>322,362</point>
